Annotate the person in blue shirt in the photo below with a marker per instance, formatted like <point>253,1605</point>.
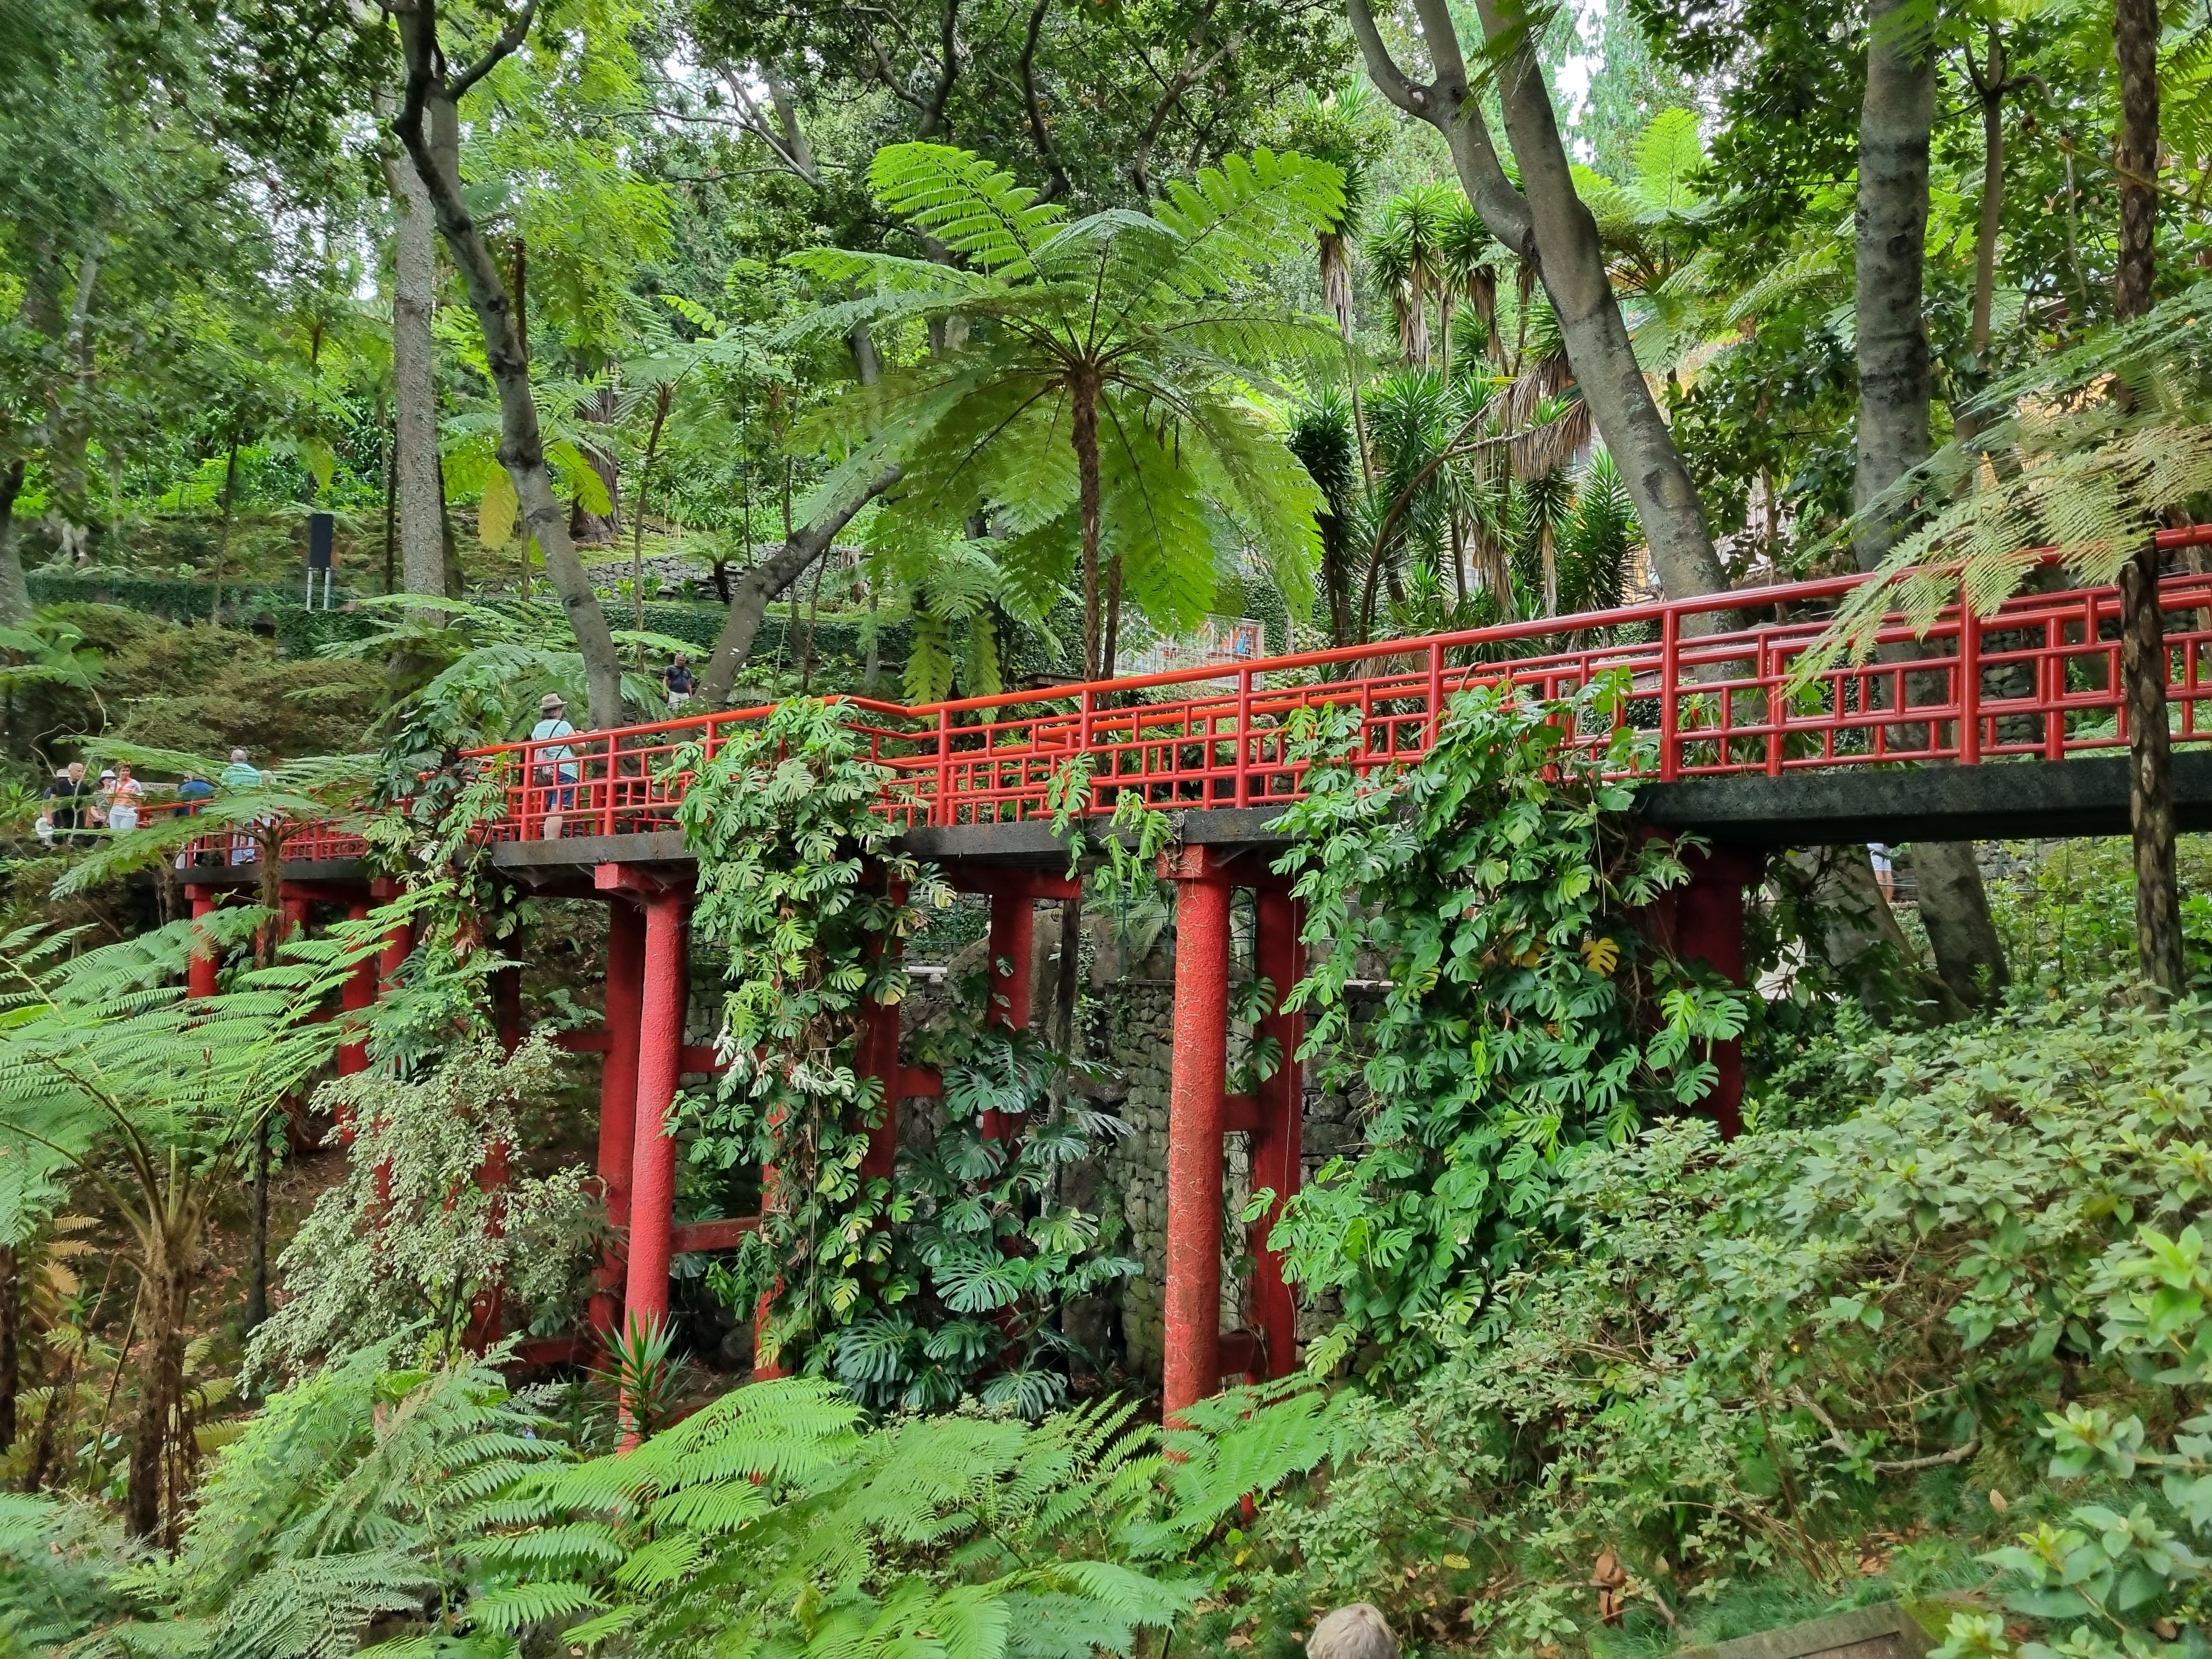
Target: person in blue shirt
<point>553,769</point>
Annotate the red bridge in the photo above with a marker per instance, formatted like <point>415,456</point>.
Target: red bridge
<point>2007,725</point>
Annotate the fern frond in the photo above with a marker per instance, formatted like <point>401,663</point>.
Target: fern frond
<point>972,206</point>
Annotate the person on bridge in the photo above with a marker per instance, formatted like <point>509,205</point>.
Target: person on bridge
<point>553,770</point>
<point>124,797</point>
<point>69,801</point>
<point>240,773</point>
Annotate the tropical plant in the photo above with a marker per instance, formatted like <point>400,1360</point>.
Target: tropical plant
<point>2083,454</point>
<point>986,1253</point>
<point>431,1231</point>
<point>1099,416</point>
<point>110,1075</point>
<point>1495,882</point>
<point>367,1497</point>
<point>769,1522</point>
<point>782,818</point>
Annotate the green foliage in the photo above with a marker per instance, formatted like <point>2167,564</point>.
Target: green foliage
<point>912,1285</point>
<point>2128,1575</point>
<point>59,1563</point>
<point>782,819</point>
<point>985,1253</point>
<point>364,1497</point>
<point>1123,343</point>
<point>1729,1360</point>
<point>768,1524</point>
<point>1494,883</point>
<point>430,1222</point>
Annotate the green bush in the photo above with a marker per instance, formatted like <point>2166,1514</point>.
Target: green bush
<point>1726,1360</point>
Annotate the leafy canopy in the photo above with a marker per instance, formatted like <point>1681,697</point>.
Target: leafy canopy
<point>1155,323</point>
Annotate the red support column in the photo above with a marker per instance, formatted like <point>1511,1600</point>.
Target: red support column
<point>295,908</point>
<point>1012,942</point>
<point>1197,1084</point>
<point>199,972</point>
<point>1706,921</point>
<point>397,943</point>
<point>1277,1142</point>
<point>618,1091</point>
<point>359,995</point>
<point>653,1158</point>
<point>878,1057</point>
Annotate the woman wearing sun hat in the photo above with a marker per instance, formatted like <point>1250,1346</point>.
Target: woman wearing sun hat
<point>553,769</point>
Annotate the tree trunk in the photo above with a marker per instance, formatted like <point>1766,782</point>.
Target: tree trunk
<point>2151,815</point>
<point>257,1247</point>
<point>2135,158</point>
<point>598,410</point>
<point>436,156</point>
<point>11,1351</point>
<point>414,378</point>
<point>1992,92</point>
<point>222,532</point>
<point>1083,424</point>
<point>644,480</point>
<point>1894,126</point>
<point>162,1387</point>
<point>16,607</point>
<point>753,592</point>
<point>1546,224</point>
<point>2142,636</point>
<point>70,423</point>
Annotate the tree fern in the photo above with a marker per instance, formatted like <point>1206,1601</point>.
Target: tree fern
<point>770,1521</point>
<point>2061,463</point>
<point>1117,348</point>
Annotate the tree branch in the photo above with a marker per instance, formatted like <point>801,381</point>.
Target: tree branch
<point>1841,1443</point>
<point>509,42</point>
<point>1039,135</point>
<point>948,71</point>
<point>1401,88</point>
<point>750,598</point>
<point>1140,164</point>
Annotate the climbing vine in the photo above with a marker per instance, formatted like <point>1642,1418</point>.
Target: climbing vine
<point>1491,887</point>
<point>948,1276</point>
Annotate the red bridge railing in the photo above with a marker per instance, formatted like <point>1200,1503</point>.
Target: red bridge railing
<point>2039,679</point>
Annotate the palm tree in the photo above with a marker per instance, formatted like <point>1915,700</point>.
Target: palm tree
<point>1100,408</point>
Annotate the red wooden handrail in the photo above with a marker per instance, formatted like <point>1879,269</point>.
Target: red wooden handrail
<point>2038,678</point>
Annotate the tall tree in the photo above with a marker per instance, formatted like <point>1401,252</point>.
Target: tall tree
<point>2143,666</point>
<point>1544,222</point>
<point>1896,121</point>
<point>429,126</point>
<point>1094,413</point>
<point>414,374</point>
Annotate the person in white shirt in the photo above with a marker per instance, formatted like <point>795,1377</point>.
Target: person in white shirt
<point>553,769</point>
